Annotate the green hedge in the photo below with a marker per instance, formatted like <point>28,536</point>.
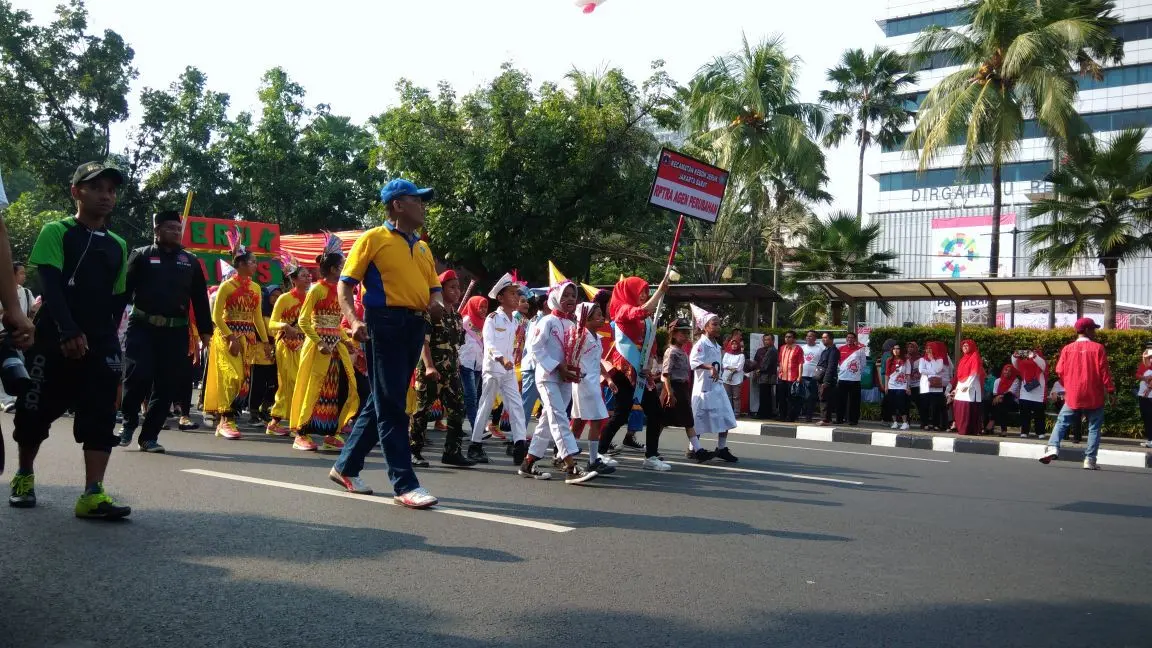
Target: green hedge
<point>996,347</point>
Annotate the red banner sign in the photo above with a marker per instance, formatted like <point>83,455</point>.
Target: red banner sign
<point>688,186</point>
<point>211,235</point>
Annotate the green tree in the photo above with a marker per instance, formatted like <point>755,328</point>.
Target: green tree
<point>838,248</point>
<point>1016,60</point>
<point>866,93</point>
<point>61,89</point>
<point>1100,209</point>
<point>27,215</point>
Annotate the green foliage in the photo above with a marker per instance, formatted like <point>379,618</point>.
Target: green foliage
<point>997,345</point>
<point>26,216</point>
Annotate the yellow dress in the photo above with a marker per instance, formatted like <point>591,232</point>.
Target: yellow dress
<point>316,400</point>
<point>286,312</point>
<point>237,310</point>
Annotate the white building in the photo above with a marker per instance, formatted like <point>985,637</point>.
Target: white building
<point>939,221</point>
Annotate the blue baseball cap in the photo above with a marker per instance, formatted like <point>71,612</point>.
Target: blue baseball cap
<point>399,188</point>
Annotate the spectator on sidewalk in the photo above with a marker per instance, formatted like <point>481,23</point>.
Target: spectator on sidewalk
<point>1083,368</point>
<point>1144,394</point>
<point>935,374</point>
<point>28,306</point>
<point>808,384</point>
<point>788,387</point>
<point>967,396</point>
<point>895,384</point>
<point>767,362</point>
<point>912,351</point>
<point>1033,370</point>
<point>1005,396</point>
<point>733,363</point>
<point>853,357</point>
<point>827,368</point>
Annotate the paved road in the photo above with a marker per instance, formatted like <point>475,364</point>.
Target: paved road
<point>800,544</point>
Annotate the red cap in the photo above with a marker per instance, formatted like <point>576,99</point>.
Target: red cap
<point>447,275</point>
<point>1084,325</point>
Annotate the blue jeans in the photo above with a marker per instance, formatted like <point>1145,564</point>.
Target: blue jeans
<point>470,379</point>
<point>1064,421</point>
<point>397,336</point>
<point>529,391</point>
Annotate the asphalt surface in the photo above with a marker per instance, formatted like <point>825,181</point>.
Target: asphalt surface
<point>906,549</point>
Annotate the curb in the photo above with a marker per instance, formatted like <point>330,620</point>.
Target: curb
<point>981,446</point>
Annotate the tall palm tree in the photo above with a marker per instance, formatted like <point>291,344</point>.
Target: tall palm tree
<point>1016,60</point>
<point>867,94</point>
<point>838,248</point>
<point>1101,209</point>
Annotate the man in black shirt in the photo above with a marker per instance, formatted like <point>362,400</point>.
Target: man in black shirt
<point>75,361</point>
<point>163,281</point>
<point>826,370</point>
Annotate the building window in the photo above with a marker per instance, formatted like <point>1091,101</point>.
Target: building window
<point>916,24</point>
<point>946,177</point>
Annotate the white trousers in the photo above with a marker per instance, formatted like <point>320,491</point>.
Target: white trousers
<point>555,399</point>
<point>505,385</point>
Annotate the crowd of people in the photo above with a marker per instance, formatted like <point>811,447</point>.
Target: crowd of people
<point>370,349</point>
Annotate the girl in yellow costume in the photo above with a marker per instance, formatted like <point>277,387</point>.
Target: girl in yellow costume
<point>285,328</point>
<point>239,326</point>
<point>325,398</point>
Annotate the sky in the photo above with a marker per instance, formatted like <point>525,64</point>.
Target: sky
<point>350,53</point>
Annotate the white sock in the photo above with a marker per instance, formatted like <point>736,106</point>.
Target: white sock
<point>721,441</point>
<point>593,450</point>
<point>694,440</point>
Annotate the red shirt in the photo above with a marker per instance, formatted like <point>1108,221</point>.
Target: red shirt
<point>791,361</point>
<point>1083,371</point>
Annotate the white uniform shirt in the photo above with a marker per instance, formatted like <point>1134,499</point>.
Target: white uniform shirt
<point>472,352</point>
<point>933,369</point>
<point>970,390</point>
<point>811,357</point>
<point>499,342</point>
<point>547,345</point>
<point>527,363</point>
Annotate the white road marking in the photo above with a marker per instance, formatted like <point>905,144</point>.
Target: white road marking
<point>850,452</point>
<point>757,472</point>
<point>502,519</point>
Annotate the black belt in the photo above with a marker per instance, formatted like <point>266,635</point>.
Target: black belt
<point>158,320</point>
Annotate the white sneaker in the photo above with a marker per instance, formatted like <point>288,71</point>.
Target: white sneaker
<point>1042,437</point>
<point>1147,444</point>
<point>895,425</point>
<point>1090,464</point>
<point>1049,454</point>
<point>1023,436</point>
<point>417,499</point>
<point>905,427</point>
<point>608,461</point>
<point>654,463</point>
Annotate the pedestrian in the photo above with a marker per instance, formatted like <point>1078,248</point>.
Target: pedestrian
<point>912,352</point>
<point>284,327</point>
<point>403,286</point>
<point>732,366</point>
<point>853,356</point>
<point>676,397</point>
<point>895,380</point>
<point>557,345</point>
<point>28,305</point>
<point>788,383</point>
<point>473,314</point>
<point>324,399</point>
<point>499,377</point>
<point>967,395</point>
<point>83,274</point>
<point>1033,370</point>
<point>881,369</point>
<point>711,410</point>
<point>809,386</point>
<point>1083,368</point>
<point>935,380</point>
<point>635,370</point>
<point>239,327</point>
<point>588,408</point>
<point>1144,394</point>
<point>528,393</point>
<point>1005,397</point>
<point>438,378</point>
<point>164,281</point>
<point>766,373</point>
<point>262,395</point>
<point>827,371</point>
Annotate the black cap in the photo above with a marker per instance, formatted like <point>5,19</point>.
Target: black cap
<point>92,170</point>
<point>681,325</point>
<point>165,216</point>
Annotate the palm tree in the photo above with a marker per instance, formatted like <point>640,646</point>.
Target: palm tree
<point>839,248</point>
<point>867,93</point>
<point>1100,210</point>
<point>1016,60</point>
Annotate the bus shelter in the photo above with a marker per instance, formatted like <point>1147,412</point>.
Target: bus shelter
<point>858,291</point>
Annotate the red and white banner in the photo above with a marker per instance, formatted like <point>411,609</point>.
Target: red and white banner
<point>688,186</point>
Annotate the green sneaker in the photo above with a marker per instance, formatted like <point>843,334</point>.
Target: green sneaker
<point>23,491</point>
<point>100,506</point>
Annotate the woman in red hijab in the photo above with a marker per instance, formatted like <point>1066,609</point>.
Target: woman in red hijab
<point>1033,370</point>
<point>1005,396</point>
<point>631,358</point>
<point>968,394</point>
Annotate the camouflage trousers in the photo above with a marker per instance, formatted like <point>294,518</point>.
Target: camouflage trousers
<point>450,392</point>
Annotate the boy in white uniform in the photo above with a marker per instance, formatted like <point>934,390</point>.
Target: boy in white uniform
<point>500,371</point>
<point>711,409</point>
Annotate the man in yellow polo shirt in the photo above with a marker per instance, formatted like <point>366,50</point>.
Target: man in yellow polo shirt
<point>397,275</point>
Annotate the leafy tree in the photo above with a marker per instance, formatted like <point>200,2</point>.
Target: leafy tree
<point>1015,59</point>
<point>866,91</point>
<point>61,89</point>
<point>26,215</point>
<point>1100,209</point>
<point>839,248</point>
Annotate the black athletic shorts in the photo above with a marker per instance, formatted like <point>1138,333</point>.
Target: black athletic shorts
<point>88,386</point>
